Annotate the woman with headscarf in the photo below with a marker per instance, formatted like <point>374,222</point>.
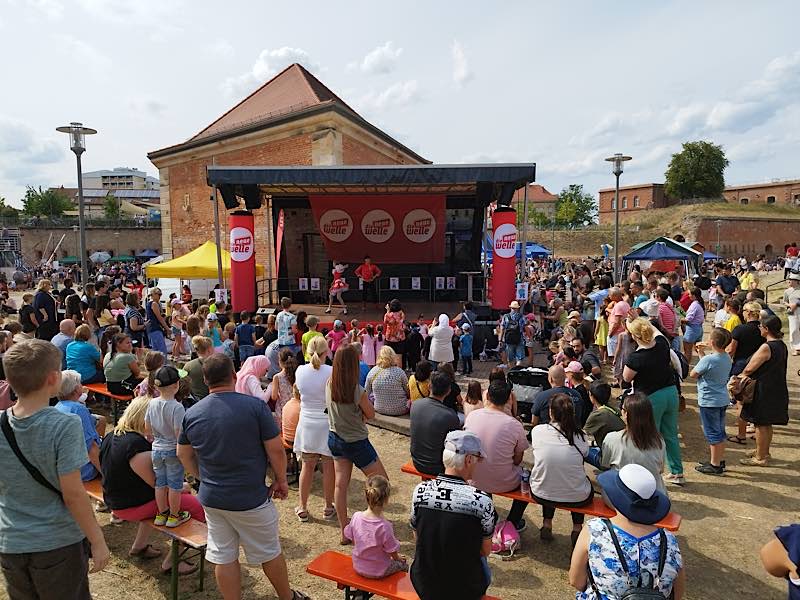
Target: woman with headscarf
<point>441,335</point>
<point>248,379</point>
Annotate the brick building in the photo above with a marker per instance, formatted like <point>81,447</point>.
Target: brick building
<point>632,198</point>
<point>293,119</point>
<point>538,198</point>
<point>786,192</point>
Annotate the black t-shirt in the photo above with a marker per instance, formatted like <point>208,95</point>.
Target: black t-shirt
<point>64,292</point>
<point>653,367</point>
<point>728,283</point>
<point>450,400</point>
<point>122,487</point>
<point>25,318</point>
<point>431,421</point>
<point>748,339</point>
<point>588,359</point>
<point>703,282</point>
<point>270,336</point>
<point>541,404</point>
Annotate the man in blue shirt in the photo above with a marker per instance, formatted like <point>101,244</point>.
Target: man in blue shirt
<point>65,335</point>
<point>245,337</point>
<point>540,411</point>
<point>71,402</point>
<point>228,441</point>
<point>466,349</point>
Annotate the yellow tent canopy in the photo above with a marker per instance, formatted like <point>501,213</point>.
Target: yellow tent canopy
<point>200,263</point>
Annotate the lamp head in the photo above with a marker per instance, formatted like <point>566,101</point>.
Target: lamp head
<point>617,161</point>
<point>77,135</point>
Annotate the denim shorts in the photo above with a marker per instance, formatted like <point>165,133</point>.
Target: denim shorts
<point>168,469</point>
<point>693,334</point>
<point>713,420</point>
<point>515,351</point>
<point>360,453</point>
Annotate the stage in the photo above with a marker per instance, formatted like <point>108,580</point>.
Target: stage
<point>412,310</point>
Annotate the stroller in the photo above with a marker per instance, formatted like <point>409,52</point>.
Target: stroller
<point>489,353</point>
<point>526,384</point>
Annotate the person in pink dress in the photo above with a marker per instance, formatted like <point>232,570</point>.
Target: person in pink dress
<point>338,286</point>
<point>336,336</point>
<point>368,345</point>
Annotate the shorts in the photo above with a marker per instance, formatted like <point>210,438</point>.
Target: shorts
<point>255,530</point>
<point>360,453</point>
<point>177,332</point>
<point>515,351</point>
<point>245,352</point>
<point>31,575</point>
<point>693,334</point>
<point>168,469</point>
<point>398,347</point>
<point>611,344</point>
<point>713,421</point>
<point>369,291</point>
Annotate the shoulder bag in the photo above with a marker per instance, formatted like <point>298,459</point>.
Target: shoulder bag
<point>34,472</point>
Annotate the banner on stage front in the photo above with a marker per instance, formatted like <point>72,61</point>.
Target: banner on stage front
<point>401,228</point>
<point>416,284</point>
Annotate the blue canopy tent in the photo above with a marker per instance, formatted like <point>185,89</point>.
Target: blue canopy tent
<point>659,251</point>
<point>710,256</point>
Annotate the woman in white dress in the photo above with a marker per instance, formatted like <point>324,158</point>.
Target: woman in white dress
<point>441,341</point>
<point>311,437</point>
<point>791,299</point>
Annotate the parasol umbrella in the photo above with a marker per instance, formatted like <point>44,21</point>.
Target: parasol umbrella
<point>99,257</point>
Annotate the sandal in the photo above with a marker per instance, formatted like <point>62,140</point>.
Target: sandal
<point>188,571</point>
<point>329,514</point>
<point>754,462</point>
<point>737,440</point>
<point>147,552</point>
<point>302,515</point>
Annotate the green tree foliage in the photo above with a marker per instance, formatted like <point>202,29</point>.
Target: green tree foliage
<point>49,203</point>
<point>697,171</point>
<point>111,207</point>
<point>536,218</point>
<point>6,210</point>
<point>575,208</point>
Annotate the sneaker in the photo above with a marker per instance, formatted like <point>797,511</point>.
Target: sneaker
<point>345,311</point>
<point>327,311</point>
<point>181,517</point>
<point>115,520</point>
<point>721,464</point>
<point>161,519</point>
<point>674,479</point>
<point>709,469</point>
<point>521,526</point>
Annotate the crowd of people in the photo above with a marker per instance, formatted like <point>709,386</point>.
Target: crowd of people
<point>217,397</point>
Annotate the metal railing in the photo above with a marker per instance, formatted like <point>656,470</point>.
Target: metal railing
<point>66,222</point>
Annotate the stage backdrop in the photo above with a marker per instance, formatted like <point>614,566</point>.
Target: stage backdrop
<point>402,228</point>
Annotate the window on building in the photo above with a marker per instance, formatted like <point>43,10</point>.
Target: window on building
<point>770,199</point>
<point>797,198</point>
<point>613,204</point>
<point>744,200</point>
<point>636,202</point>
<point>624,203</point>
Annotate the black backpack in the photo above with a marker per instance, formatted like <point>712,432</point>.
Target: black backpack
<point>636,591</point>
<point>512,334</point>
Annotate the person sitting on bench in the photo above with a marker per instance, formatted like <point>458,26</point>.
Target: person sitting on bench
<point>72,401</point>
<point>431,421</point>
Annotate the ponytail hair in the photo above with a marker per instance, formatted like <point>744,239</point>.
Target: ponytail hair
<point>317,348</point>
<point>562,415</point>
<point>152,362</point>
<point>288,361</point>
<point>377,491</point>
<point>380,333</point>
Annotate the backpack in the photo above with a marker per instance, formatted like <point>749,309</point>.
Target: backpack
<point>512,334</point>
<point>505,540</point>
<point>636,591</point>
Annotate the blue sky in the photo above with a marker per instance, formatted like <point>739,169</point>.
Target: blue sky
<point>562,84</point>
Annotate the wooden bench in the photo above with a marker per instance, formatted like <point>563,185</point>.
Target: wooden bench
<point>191,535</point>
<point>292,464</point>
<point>100,389</point>
<point>596,508</point>
<point>338,567</point>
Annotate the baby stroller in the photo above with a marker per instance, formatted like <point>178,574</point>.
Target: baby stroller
<point>489,353</point>
<point>526,384</point>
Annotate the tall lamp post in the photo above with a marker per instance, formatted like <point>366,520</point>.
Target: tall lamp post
<point>617,161</point>
<point>719,222</point>
<point>77,134</point>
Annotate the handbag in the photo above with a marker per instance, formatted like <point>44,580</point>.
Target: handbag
<point>34,472</point>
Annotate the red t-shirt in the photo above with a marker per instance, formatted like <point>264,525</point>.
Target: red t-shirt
<point>792,251</point>
<point>368,271</point>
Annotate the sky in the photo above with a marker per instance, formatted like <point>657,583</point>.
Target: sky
<point>561,84</point>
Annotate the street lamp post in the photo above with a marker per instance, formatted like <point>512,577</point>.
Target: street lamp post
<point>116,235</point>
<point>617,160</point>
<point>77,134</point>
<point>719,222</point>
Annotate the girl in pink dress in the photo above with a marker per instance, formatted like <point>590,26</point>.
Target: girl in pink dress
<point>337,336</point>
<point>379,341</point>
<point>368,345</point>
<point>338,286</point>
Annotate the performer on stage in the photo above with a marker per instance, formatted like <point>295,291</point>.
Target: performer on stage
<point>369,273</point>
<point>338,286</point>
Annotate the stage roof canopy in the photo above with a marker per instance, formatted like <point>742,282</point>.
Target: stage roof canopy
<point>492,181</point>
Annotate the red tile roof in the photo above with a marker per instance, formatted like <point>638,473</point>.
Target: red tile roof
<point>536,193</point>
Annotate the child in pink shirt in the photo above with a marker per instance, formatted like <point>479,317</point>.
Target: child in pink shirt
<point>375,548</point>
<point>336,336</point>
<point>379,341</point>
<point>368,345</point>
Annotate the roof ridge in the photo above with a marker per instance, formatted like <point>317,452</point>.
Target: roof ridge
<point>308,74</point>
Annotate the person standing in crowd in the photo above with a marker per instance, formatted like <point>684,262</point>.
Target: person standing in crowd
<point>557,477</point>
<point>791,300</point>
<point>511,328</point>
<point>286,324</point>
<point>156,325</point>
<point>368,272</point>
<point>441,347</point>
<point>388,385</point>
<point>616,320</point>
<point>649,369</point>
<point>693,322</point>
<point>465,344</point>
<point>453,524</point>
<point>430,422</point>
<point>134,323</point>
<point>770,405</point>
<point>348,408</point>
<point>596,568</point>
<point>227,442</point>
<point>27,316</point>
<point>45,306</point>
<point>394,330</point>
<point>204,348</point>
<point>66,333</point>
<point>727,283</point>
<point>504,442</point>
<point>45,526</point>
<point>245,337</point>
<point>746,339</point>
<point>311,436</point>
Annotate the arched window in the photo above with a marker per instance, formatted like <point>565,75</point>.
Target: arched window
<point>744,200</point>
<point>770,199</point>
<point>636,202</point>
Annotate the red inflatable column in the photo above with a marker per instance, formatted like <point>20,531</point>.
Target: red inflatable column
<point>243,261</point>
<point>504,251</point>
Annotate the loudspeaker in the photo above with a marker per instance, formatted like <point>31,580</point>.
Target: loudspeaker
<point>229,197</point>
<point>506,194</point>
<point>252,197</point>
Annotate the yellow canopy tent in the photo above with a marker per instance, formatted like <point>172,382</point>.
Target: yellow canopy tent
<point>200,263</point>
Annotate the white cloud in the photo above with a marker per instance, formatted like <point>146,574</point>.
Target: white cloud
<point>267,65</point>
<point>381,60</point>
<point>86,55</point>
<point>397,95</point>
<point>147,106</point>
<point>26,152</point>
<point>461,71</point>
<point>157,17</point>
<point>222,48</point>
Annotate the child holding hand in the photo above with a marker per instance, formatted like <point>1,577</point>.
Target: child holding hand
<point>375,547</point>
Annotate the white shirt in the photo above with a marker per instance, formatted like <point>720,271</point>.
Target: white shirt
<point>441,344</point>
<point>557,473</point>
<point>311,383</point>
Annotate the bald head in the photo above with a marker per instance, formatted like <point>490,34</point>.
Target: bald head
<point>557,376</point>
<point>67,327</point>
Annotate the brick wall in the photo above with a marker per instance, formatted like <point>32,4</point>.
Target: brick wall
<point>132,240</point>
<point>649,196</point>
<point>787,192</point>
<point>750,237</point>
<point>356,152</point>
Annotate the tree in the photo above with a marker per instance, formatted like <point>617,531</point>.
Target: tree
<point>6,210</point>
<point>50,203</point>
<point>536,217</point>
<point>575,208</point>
<point>697,171</point>
<point>111,208</point>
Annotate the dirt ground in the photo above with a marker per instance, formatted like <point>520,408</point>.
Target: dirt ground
<point>725,522</point>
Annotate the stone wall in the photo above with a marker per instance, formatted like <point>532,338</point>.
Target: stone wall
<point>131,240</point>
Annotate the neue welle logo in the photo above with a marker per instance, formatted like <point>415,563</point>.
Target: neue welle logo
<point>505,240</point>
<point>241,244</point>
<point>336,225</point>
<point>377,226</point>
<point>419,225</point>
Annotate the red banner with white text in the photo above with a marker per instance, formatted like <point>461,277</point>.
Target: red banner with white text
<point>401,228</point>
